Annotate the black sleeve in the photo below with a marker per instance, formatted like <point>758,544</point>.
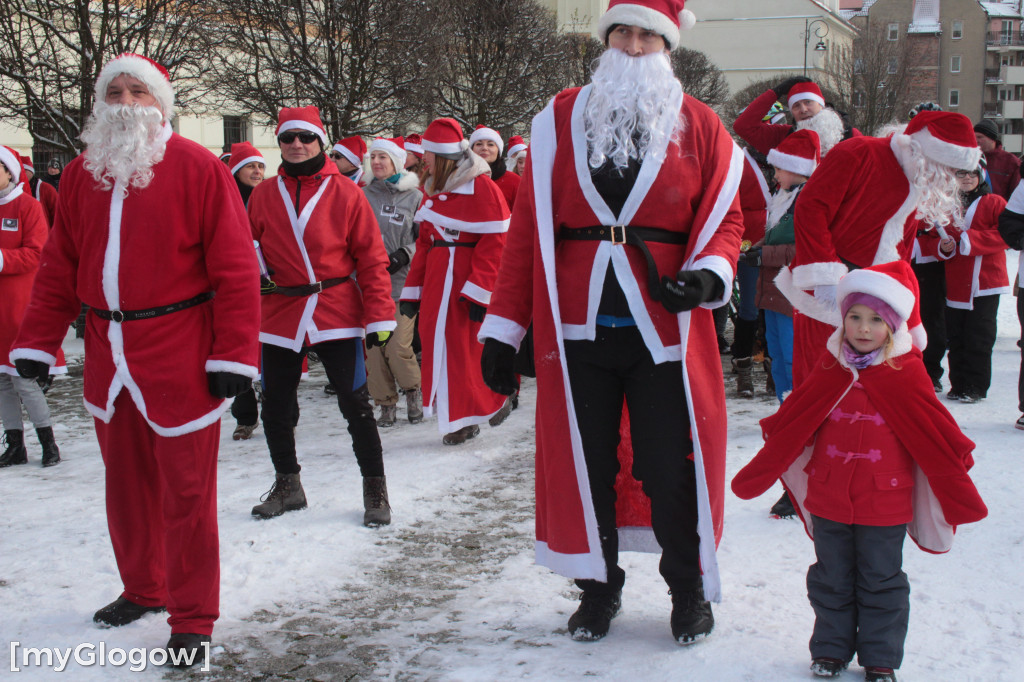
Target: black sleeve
<point>1011,229</point>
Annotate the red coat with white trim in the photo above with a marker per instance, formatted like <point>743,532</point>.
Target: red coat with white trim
<point>761,135</point>
<point>978,266</point>
<point>174,240</point>
<point>332,233</point>
<point>45,194</point>
<point>22,235</point>
<point>754,198</point>
<point>474,214</point>
<point>556,284</point>
<point>509,183</point>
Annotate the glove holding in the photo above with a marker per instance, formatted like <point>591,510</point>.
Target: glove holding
<point>227,384</point>
<point>476,311</point>
<point>397,260</point>
<point>783,88</point>
<point>267,285</point>
<point>378,339</point>
<point>689,289</point>
<point>33,369</point>
<point>497,363</point>
<point>409,308</point>
<point>752,257</point>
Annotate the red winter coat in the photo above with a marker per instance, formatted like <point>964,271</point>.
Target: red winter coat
<point>557,285</point>
<point>333,234</point>
<point>978,266</point>
<point>1003,171</point>
<point>761,135</point>
<point>508,183</point>
<point>167,243</point>
<point>46,195</point>
<point>22,235</point>
<point>754,198</point>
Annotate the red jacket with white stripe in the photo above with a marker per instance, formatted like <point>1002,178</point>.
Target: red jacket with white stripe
<point>22,235</point>
<point>754,198</point>
<point>331,233</point>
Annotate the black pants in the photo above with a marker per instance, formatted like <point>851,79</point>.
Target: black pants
<point>602,372</point>
<point>931,278</point>
<point>972,335</point>
<point>245,409</point>
<point>344,363</point>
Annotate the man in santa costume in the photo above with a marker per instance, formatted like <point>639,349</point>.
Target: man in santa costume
<point>143,236</point>
<point>44,192</point>
<point>861,207</point>
<point>318,234</point>
<point>627,235</point>
<point>348,156</point>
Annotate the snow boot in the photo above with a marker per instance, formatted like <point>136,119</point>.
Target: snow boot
<point>744,377</point>
<point>414,405</point>
<point>388,415</point>
<point>872,674</point>
<point>783,509</point>
<point>284,496</point>
<point>243,432</point>
<point>121,611</point>
<point>501,415</point>
<point>691,616</point>
<point>15,452</point>
<point>594,616</point>
<point>51,453</point>
<point>461,436</point>
<point>375,502</point>
<point>827,667</point>
<point>185,649</point>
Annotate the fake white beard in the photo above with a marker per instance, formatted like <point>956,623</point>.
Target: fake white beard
<point>630,95</point>
<point>780,203</point>
<point>123,143</point>
<point>937,189</point>
<point>829,126</point>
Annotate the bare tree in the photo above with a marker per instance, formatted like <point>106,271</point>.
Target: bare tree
<point>700,77</point>
<point>581,50</point>
<point>739,101</point>
<point>52,51</point>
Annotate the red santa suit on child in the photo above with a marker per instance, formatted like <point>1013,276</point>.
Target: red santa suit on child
<point>978,265</point>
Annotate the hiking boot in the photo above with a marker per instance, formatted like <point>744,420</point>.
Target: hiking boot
<point>388,415</point>
<point>873,674</point>
<point>15,452</point>
<point>284,496</point>
<point>827,667</point>
<point>375,502</point>
<point>744,377</point>
<point>243,432</point>
<point>185,649</point>
<point>501,415</point>
<point>691,616</point>
<point>414,405</point>
<point>51,453</point>
<point>461,436</point>
<point>594,616</point>
<point>954,394</point>
<point>121,611</point>
<point>783,509</point>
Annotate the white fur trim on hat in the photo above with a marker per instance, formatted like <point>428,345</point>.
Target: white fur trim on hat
<point>414,148</point>
<point>487,134</point>
<point>879,285</point>
<point>515,150</point>
<point>12,163</point>
<point>645,17</point>
<point>247,160</point>
<point>296,124</point>
<point>445,147</point>
<point>348,154</point>
<point>806,95</point>
<point>397,154</point>
<point>791,163</point>
<point>145,71</point>
<point>947,153</point>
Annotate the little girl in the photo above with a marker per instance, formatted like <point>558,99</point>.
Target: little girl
<point>868,454</point>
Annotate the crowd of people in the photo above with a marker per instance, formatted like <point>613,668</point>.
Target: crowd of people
<point>430,265</point>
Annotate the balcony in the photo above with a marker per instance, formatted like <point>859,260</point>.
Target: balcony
<point>998,39</point>
<point>1012,75</point>
<point>1012,109</point>
<point>993,76</point>
<point>991,111</point>
<point>1013,143</point>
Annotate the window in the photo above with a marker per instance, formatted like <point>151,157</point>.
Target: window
<point>235,130</point>
<point>1004,94</point>
<point>954,64</point>
<point>894,32</point>
<point>893,65</point>
<point>954,98</point>
<point>858,99</point>
<point>1005,60</point>
<point>958,30</point>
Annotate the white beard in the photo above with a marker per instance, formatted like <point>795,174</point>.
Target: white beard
<point>779,205</point>
<point>631,96</point>
<point>123,143</point>
<point>938,192</point>
<point>829,126</point>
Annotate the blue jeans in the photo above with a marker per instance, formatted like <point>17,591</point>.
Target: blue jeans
<point>746,275</point>
<point>778,332</point>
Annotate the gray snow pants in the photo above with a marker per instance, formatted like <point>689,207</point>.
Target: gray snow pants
<point>15,391</point>
<point>859,593</point>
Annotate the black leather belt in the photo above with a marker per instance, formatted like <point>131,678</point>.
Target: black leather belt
<point>451,245</point>
<point>634,236</point>
<point>129,315</point>
<point>309,289</point>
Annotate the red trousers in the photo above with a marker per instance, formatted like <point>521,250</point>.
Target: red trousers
<point>162,516</point>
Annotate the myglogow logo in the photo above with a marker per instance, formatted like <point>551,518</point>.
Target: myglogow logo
<point>89,655</point>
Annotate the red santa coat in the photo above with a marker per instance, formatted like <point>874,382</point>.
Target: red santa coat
<point>558,285</point>
<point>332,234</point>
<point>45,194</point>
<point>978,266</point>
<point>761,135</point>
<point>509,183</point>
<point>22,235</point>
<point>473,213</point>
<point>140,249</point>
<point>754,199</point>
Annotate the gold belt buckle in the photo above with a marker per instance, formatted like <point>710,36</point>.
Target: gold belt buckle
<point>615,239</point>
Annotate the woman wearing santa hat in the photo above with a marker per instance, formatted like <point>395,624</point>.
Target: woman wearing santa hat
<point>463,223</point>
<point>487,144</point>
<point>516,157</point>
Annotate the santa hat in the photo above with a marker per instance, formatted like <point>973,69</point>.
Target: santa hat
<point>802,91</point>
<point>301,118</point>
<point>242,154</point>
<point>482,132</point>
<point>414,145</point>
<point>664,17</point>
<point>895,286</point>
<point>393,147</point>
<point>444,137</point>
<point>946,137</point>
<point>157,81</point>
<point>799,152</point>
<point>12,162</point>
<point>26,163</point>
<point>515,146</point>
<point>352,148</point>
<point>225,157</point>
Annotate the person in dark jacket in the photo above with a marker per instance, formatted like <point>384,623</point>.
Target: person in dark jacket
<point>1003,167</point>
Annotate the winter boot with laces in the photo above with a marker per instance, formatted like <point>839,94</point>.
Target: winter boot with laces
<point>414,405</point>
<point>594,616</point>
<point>691,616</point>
<point>827,667</point>
<point>51,453</point>
<point>286,495</point>
<point>375,502</point>
<point>243,432</point>
<point>388,415</point>
<point>744,377</point>
<point>873,674</point>
<point>15,452</point>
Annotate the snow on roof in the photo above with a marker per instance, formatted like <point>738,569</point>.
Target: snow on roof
<point>926,17</point>
<point>1001,9</point>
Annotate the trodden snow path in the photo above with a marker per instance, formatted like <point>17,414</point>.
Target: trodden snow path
<point>449,591</point>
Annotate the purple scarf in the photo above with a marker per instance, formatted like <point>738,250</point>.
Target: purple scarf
<point>857,360</point>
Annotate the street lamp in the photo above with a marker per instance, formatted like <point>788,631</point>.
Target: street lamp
<point>820,31</point>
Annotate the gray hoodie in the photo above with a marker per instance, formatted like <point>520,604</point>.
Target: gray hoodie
<point>394,205</point>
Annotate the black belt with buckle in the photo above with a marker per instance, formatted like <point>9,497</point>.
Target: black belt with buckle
<point>129,315</point>
<point>451,245</point>
<point>634,236</point>
<point>309,289</point>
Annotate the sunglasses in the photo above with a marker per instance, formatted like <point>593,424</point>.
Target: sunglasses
<point>965,173</point>
<point>334,155</point>
<point>304,137</point>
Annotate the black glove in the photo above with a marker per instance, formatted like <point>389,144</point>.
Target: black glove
<point>783,88</point>
<point>397,260</point>
<point>497,363</point>
<point>689,289</point>
<point>227,384</point>
<point>379,339</point>
<point>752,257</point>
<point>33,369</point>
<point>476,311</point>
<point>409,308</point>
<point>267,286</point>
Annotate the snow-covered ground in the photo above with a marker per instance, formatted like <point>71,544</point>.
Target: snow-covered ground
<point>449,591</point>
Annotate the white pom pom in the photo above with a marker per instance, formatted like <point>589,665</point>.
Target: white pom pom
<point>687,19</point>
<point>464,144</point>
